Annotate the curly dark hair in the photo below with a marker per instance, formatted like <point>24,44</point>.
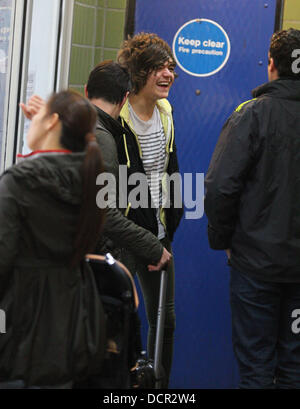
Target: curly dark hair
<point>283,43</point>
<point>143,54</point>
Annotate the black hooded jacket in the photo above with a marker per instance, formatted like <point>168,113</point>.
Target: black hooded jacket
<point>253,184</point>
<point>55,330</point>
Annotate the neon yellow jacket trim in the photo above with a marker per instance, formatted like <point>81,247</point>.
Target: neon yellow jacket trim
<point>244,103</point>
<point>165,111</point>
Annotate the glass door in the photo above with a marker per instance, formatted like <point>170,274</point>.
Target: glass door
<point>35,44</point>
<point>40,58</point>
<point>8,34</point>
<point>5,29</point>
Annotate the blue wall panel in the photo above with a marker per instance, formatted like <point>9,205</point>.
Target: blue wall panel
<point>203,356</point>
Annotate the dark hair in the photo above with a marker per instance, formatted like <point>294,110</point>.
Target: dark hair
<point>283,43</point>
<point>78,119</point>
<point>108,81</point>
<point>142,54</point>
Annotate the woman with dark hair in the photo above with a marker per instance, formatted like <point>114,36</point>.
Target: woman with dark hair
<point>49,221</point>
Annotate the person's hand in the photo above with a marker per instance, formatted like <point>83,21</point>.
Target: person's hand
<point>34,104</point>
<point>228,252</point>
<point>165,258</point>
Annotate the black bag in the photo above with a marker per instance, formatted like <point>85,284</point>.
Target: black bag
<point>120,302</point>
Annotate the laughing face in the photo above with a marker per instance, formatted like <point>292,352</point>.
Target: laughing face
<point>159,82</point>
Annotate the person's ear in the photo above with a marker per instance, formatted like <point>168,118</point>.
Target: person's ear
<point>272,67</point>
<point>85,92</point>
<point>124,100</point>
<point>52,121</point>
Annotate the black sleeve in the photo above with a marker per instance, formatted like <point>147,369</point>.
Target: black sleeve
<point>122,231</point>
<point>232,159</point>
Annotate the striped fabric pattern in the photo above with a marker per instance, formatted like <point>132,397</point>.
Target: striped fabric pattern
<point>153,144</point>
<point>152,140</point>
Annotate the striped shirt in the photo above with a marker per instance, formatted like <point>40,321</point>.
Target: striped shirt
<point>152,140</point>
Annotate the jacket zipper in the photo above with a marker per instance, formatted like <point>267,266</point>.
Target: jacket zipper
<point>126,151</point>
<point>137,140</point>
<point>169,149</point>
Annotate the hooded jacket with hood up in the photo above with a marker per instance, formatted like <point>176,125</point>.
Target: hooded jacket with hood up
<point>54,319</point>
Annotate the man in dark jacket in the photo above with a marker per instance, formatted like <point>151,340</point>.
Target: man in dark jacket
<point>107,88</point>
<point>252,203</point>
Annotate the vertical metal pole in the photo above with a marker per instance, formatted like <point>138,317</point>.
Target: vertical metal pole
<point>279,14</point>
<point>17,49</point>
<point>23,78</point>
<point>129,18</point>
<point>65,43</point>
<point>158,369</point>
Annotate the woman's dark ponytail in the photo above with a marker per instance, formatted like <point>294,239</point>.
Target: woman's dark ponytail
<point>78,119</point>
<point>91,217</point>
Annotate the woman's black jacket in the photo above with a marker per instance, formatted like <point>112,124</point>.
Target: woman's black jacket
<point>54,319</point>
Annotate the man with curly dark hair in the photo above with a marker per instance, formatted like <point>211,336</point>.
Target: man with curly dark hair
<point>252,203</point>
<point>283,45</point>
<point>151,150</point>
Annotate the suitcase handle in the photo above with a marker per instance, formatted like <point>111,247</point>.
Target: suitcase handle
<point>158,369</point>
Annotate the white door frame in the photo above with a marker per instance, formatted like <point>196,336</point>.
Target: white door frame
<point>65,45</point>
<point>18,70</point>
<point>19,8</point>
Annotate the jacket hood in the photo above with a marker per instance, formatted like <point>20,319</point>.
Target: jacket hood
<point>57,173</point>
<point>163,106</point>
<point>281,88</point>
<point>165,110</point>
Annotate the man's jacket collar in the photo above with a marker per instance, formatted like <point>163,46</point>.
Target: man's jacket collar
<point>163,106</point>
<point>109,123</point>
<point>165,111</point>
<point>282,88</point>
